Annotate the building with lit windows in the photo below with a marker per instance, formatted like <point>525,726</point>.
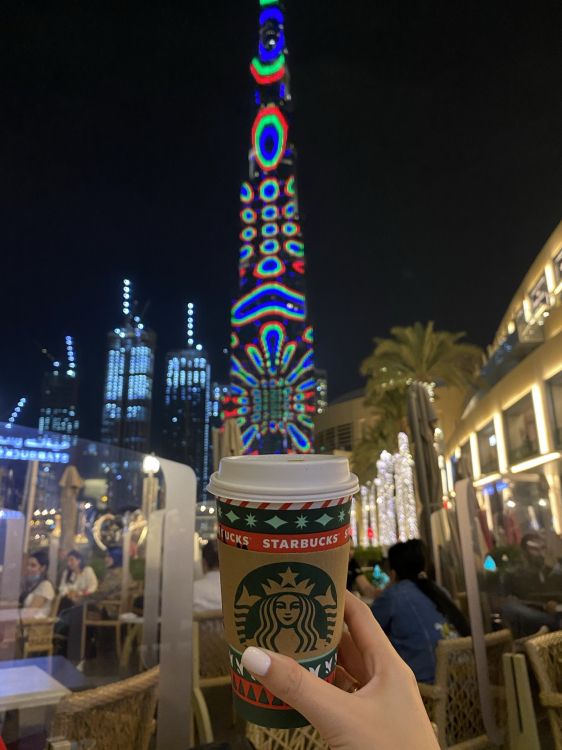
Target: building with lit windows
<point>509,437</point>
<point>187,407</point>
<point>59,396</point>
<point>342,423</point>
<point>127,402</point>
<point>272,392</point>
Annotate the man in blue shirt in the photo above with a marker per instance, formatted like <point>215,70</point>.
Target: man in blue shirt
<point>413,625</point>
<point>414,612</point>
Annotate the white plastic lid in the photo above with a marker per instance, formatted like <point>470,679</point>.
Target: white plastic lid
<point>283,478</point>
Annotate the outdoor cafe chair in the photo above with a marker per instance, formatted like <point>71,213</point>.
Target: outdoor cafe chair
<point>92,618</point>
<point>453,701</point>
<point>302,738</point>
<point>545,655</point>
<point>37,633</point>
<point>211,666</point>
<point>115,716</point>
<point>37,636</point>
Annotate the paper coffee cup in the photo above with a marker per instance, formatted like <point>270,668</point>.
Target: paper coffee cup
<point>284,533</point>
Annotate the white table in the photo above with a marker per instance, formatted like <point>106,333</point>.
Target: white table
<point>33,692</point>
<point>29,687</point>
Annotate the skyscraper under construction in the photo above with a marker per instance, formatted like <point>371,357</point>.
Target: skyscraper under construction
<point>127,402</point>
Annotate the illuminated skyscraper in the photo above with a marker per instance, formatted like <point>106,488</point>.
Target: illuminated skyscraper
<point>128,381</point>
<point>187,406</point>
<point>219,392</point>
<point>59,395</point>
<point>272,377</point>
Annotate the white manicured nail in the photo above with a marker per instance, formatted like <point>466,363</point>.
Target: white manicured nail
<point>255,660</point>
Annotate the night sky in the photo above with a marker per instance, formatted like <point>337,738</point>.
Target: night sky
<point>430,170</point>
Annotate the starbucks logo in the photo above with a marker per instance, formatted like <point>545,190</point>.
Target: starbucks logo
<point>290,608</point>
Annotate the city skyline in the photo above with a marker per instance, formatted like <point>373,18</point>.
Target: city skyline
<point>427,148</point>
<point>29,410</point>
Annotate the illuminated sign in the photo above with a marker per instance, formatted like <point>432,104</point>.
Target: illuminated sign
<point>42,449</point>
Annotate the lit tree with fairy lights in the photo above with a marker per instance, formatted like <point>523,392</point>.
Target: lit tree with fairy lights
<point>272,381</point>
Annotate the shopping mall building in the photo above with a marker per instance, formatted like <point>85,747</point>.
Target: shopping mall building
<point>509,437</point>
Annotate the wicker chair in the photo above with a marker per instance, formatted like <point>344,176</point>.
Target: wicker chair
<point>545,655</point>
<point>303,738</point>
<point>92,618</point>
<point>38,636</point>
<point>452,701</point>
<point>211,666</point>
<point>120,715</point>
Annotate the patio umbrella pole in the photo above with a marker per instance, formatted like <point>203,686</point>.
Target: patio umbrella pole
<point>421,474</point>
<point>29,495</point>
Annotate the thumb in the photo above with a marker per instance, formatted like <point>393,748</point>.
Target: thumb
<point>314,698</point>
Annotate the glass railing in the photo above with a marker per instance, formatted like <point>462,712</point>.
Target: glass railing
<point>87,567</point>
<point>499,555</point>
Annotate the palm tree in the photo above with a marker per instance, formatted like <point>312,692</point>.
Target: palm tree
<point>416,352</point>
<point>421,353</point>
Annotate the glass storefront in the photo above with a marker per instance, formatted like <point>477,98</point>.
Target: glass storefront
<point>521,430</point>
<point>465,462</point>
<point>487,449</point>
<point>554,395</point>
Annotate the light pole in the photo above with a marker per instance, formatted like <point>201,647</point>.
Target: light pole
<point>150,467</point>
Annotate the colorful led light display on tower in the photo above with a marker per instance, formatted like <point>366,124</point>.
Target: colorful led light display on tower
<point>272,391</point>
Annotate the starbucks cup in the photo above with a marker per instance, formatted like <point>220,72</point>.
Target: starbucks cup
<point>284,534</point>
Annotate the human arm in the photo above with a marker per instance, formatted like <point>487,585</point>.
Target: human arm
<point>355,577</point>
<point>89,581</point>
<point>64,585</point>
<point>366,588</point>
<point>39,602</point>
<point>110,587</point>
<point>384,713</point>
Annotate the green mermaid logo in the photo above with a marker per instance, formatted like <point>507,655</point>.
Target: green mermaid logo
<point>289,608</point>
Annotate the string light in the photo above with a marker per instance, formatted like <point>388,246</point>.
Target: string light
<point>385,499</point>
<point>364,517</point>
<point>389,502</point>
<point>373,517</point>
<point>404,490</point>
<point>353,523</point>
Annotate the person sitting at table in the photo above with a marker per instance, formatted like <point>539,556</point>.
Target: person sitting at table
<point>78,580</point>
<point>109,587</point>
<point>415,612</point>
<point>531,588</point>
<point>207,590</point>
<point>38,592</point>
<point>356,579</point>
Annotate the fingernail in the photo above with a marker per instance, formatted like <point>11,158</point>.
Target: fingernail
<point>255,660</point>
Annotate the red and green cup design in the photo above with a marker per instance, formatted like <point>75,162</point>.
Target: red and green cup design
<point>283,575</point>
